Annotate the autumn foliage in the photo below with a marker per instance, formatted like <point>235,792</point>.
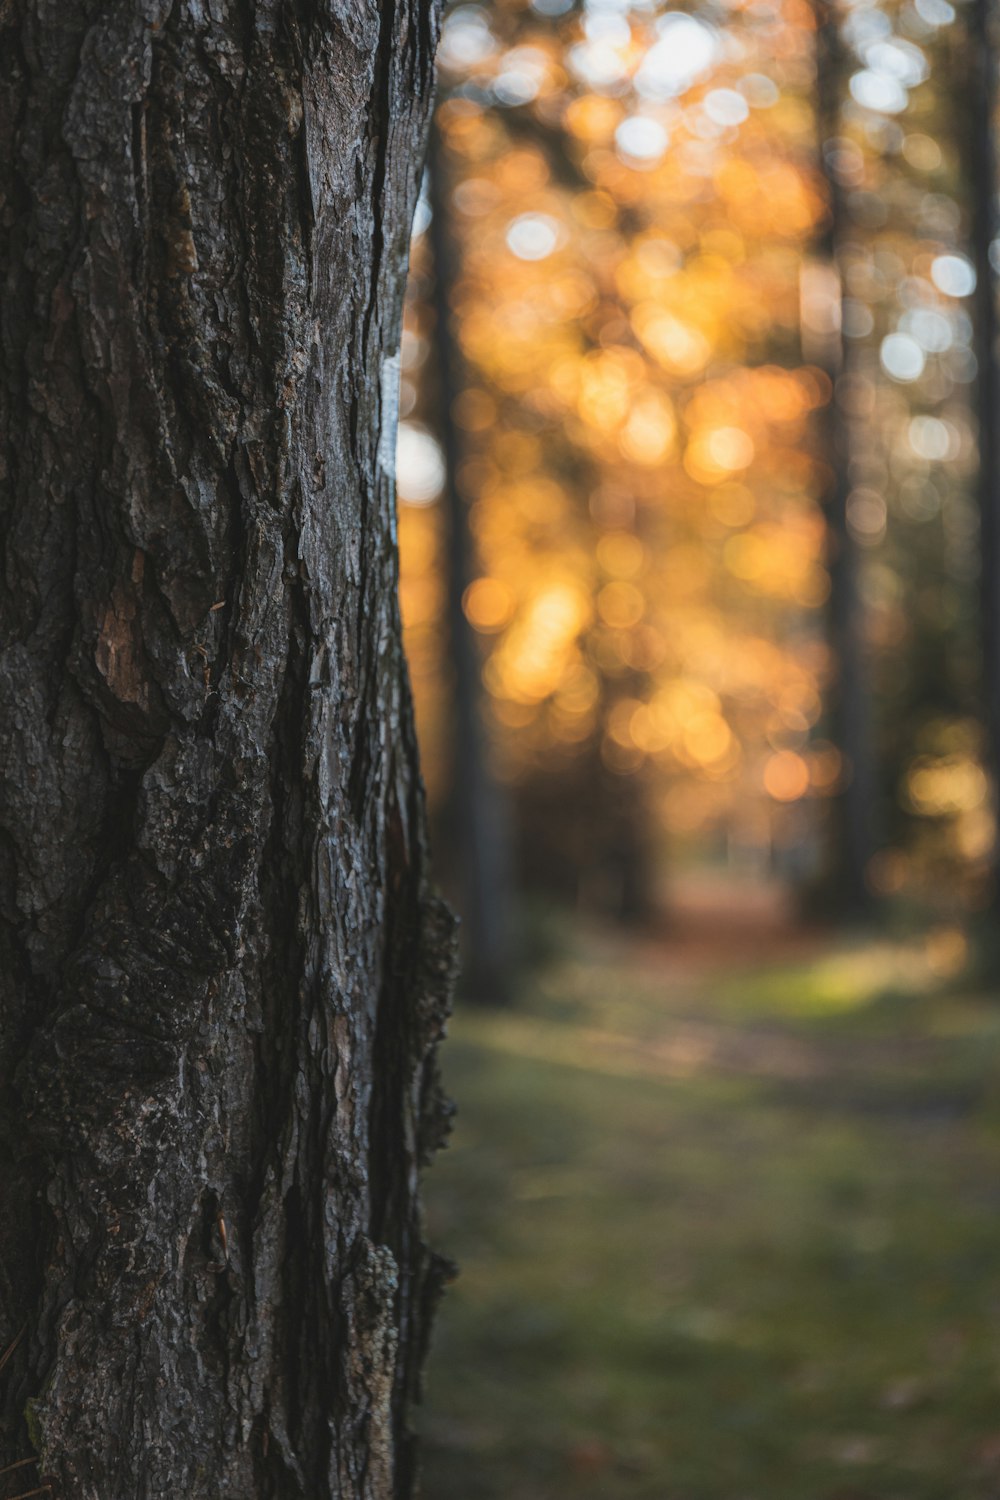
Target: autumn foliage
<point>637,201</point>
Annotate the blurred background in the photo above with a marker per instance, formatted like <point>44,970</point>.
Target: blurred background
<point>699,493</point>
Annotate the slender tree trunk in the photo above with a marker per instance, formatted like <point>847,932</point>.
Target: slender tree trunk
<point>856,808</point>
<point>479,834</point>
<point>222,972</point>
<point>982,182</point>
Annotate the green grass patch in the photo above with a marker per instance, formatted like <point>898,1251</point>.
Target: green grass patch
<point>716,1245</point>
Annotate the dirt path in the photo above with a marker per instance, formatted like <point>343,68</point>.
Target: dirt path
<point>704,1007</point>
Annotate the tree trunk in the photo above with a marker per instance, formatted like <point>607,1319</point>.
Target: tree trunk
<point>478,829</point>
<point>981,156</point>
<point>222,972</point>
<point>855,837</point>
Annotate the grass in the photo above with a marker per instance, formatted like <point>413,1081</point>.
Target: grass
<point>729,1229</point>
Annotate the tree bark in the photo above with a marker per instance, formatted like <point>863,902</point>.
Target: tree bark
<point>223,971</point>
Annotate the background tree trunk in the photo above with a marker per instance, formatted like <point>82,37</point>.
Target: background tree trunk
<point>979,118</point>
<point>477,822</point>
<point>856,831</point>
<point>222,972</point>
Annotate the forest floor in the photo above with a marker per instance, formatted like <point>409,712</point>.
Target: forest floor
<point>727,1209</point>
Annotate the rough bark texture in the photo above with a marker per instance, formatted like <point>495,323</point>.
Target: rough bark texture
<point>222,971</point>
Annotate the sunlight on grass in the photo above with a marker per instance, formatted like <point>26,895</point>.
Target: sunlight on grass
<point>842,981</point>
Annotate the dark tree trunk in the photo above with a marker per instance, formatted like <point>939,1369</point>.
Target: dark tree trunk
<point>981,156</point>
<point>222,972</point>
<point>478,831</point>
<point>855,834</point>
